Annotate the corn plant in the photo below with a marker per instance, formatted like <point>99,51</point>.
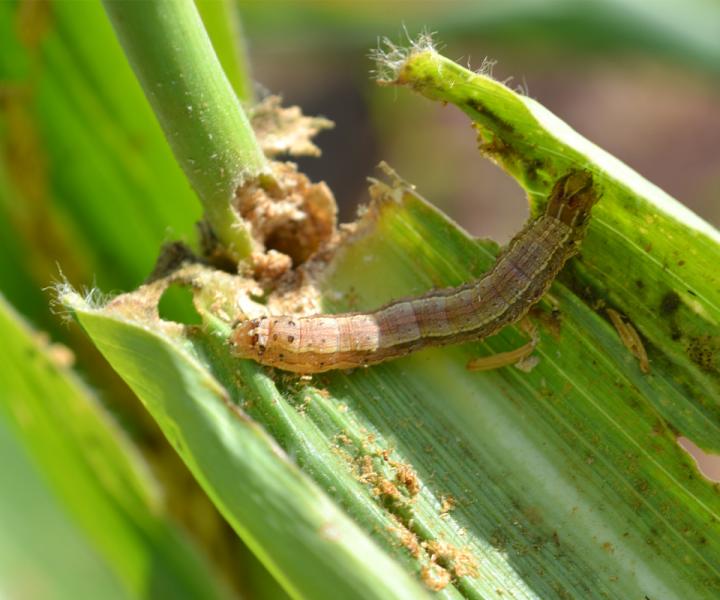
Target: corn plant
<point>557,477</point>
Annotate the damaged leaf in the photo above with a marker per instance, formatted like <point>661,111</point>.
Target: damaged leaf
<point>470,480</point>
<point>561,480</point>
<point>646,256</point>
<point>286,213</point>
<point>277,509</point>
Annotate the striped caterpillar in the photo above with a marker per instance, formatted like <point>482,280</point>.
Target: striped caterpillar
<point>520,276</point>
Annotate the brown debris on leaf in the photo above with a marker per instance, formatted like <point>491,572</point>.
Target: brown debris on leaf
<point>268,267</point>
<point>405,475</point>
<point>286,130</point>
<point>435,577</point>
<point>458,561</point>
<point>288,213</point>
<point>407,538</point>
<point>296,291</point>
<point>447,504</point>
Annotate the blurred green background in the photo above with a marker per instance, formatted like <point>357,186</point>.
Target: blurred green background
<point>89,190</point>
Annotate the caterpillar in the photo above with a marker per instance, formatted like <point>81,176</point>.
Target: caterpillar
<point>520,276</point>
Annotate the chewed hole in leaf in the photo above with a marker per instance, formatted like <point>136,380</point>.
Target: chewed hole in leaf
<point>176,304</point>
<point>708,464</point>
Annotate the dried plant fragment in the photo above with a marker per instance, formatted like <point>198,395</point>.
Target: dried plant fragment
<point>630,339</point>
<point>447,504</point>
<point>435,577</point>
<point>517,357</point>
<point>406,476</point>
<point>286,130</point>
<point>459,561</point>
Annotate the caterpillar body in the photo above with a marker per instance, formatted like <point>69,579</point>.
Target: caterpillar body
<point>519,277</point>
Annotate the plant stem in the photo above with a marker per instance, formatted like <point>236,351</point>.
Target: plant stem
<point>210,135</point>
<point>223,25</point>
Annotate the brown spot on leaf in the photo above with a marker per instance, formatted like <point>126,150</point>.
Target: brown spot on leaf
<point>703,351</point>
<point>608,547</point>
<point>670,303</point>
<point>33,21</point>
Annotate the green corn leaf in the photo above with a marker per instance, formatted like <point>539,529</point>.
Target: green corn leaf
<point>89,181</point>
<point>79,516</point>
<point>305,540</point>
<point>564,479</point>
<point>646,255</point>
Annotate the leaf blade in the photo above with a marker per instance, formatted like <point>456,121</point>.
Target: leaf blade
<point>272,506</point>
<point>96,479</point>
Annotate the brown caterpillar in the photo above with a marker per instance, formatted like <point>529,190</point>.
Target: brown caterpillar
<point>518,279</point>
